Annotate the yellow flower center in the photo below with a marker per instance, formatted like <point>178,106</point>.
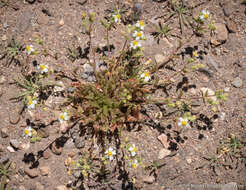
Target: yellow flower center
<point>195,54</point>
<point>135,149</point>
<point>135,42</point>
<point>30,102</point>
<point>141,23</point>
<point>110,153</point>
<point>62,117</point>
<point>134,165</point>
<point>26,132</point>
<point>146,74</point>
<point>42,67</point>
<point>184,123</point>
<point>28,48</point>
<point>206,15</point>
<point>139,34</point>
<point>117,16</point>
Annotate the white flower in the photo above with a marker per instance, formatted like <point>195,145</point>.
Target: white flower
<point>135,44</point>
<point>110,153</point>
<point>63,117</point>
<point>116,18</point>
<point>204,15</point>
<point>183,122</point>
<point>140,24</point>
<point>31,103</point>
<point>43,68</point>
<point>146,76</point>
<point>28,131</point>
<point>133,150</point>
<point>134,164</point>
<point>138,35</point>
<point>29,49</point>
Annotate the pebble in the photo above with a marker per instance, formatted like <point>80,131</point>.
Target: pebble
<point>45,170</point>
<point>4,38</point>
<point>231,26</point>
<point>163,153</point>
<point>70,89</point>
<point>91,79</point>
<point>39,186</point>
<point>223,114</point>
<point>22,188</point>
<point>68,161</point>
<point>237,82</point>
<point>208,92</point>
<point>46,154</point>
<point>227,89</point>
<point>56,150</point>
<point>61,187</point>
<point>43,132</point>
<point>4,132</point>
<point>4,159</point>
<point>2,79</point>
<point>24,146</point>
<point>14,117</point>
<point>15,143</point>
<point>212,63</point>
<point>79,143</point>
<point>189,160</point>
<point>163,139</point>
<point>5,25</point>
<point>88,68</point>
<point>159,58</point>
<point>76,173</point>
<point>221,34</point>
<point>31,172</point>
<point>149,179</point>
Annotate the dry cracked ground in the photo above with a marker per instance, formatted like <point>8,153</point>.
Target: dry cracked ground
<point>212,151</point>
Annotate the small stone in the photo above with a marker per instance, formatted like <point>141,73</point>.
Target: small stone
<point>149,179</point>
<point>163,139</point>
<point>22,188</point>
<point>76,173</point>
<point>88,68</point>
<point>227,89</point>
<point>189,160</point>
<point>163,153</point>
<point>221,34</point>
<point>61,187</point>
<point>237,82</point>
<point>24,146</point>
<point>46,154</point>
<point>2,79</point>
<point>70,90</point>
<point>39,186</point>
<point>14,117</point>
<point>4,38</point>
<point>43,132</point>
<point>159,58</point>
<point>10,149</point>
<point>210,93</point>
<point>31,172</point>
<point>68,161</point>
<point>4,159</point>
<point>79,143</point>
<point>71,154</point>
<point>84,76</point>
<point>5,25</point>
<point>4,132</point>
<point>91,79</point>
<point>223,114</point>
<point>61,22</point>
<point>45,170</point>
<point>15,143</point>
<point>64,127</point>
<point>212,63</point>
<point>231,26</point>
<point>56,150</point>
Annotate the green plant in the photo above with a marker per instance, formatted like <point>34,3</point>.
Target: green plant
<point>161,31</point>
<point>5,173</point>
<point>13,51</point>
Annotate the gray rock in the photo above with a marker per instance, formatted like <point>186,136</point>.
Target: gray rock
<point>56,150</point>
<point>45,170</point>
<point>79,143</point>
<point>14,117</point>
<point>5,25</point>
<point>84,76</point>
<point>91,78</point>
<point>77,174</point>
<point>163,153</point>
<point>15,143</point>
<point>212,63</point>
<point>88,68</point>
<point>237,82</point>
<point>4,132</point>
<point>4,159</point>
